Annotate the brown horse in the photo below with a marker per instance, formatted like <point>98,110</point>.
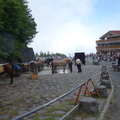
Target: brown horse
<point>7,68</point>
<point>60,63</point>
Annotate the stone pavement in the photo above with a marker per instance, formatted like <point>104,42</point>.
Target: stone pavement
<point>114,108</point>
<point>26,94</point>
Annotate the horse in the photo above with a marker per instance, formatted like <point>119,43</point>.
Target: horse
<point>48,61</point>
<point>59,63</point>
<point>36,66</point>
<point>24,67</point>
<point>41,64</point>
<point>7,68</point>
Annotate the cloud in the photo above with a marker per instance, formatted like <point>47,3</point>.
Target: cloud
<point>68,26</point>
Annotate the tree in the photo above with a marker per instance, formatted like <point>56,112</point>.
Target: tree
<point>41,54</point>
<point>4,41</point>
<point>52,54</point>
<point>15,21</point>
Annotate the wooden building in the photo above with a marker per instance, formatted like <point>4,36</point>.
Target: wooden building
<point>109,42</point>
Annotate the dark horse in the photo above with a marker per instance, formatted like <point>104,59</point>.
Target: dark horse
<point>48,61</point>
<point>7,68</point>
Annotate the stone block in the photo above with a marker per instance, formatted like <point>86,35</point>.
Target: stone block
<point>105,73</point>
<point>105,82</point>
<point>104,68</point>
<point>102,90</point>
<point>89,105</point>
<point>105,77</point>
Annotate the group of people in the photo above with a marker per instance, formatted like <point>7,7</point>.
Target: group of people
<point>105,56</point>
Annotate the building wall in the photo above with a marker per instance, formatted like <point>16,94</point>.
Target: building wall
<point>111,44</point>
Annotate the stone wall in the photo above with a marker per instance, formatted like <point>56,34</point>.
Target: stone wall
<point>28,55</point>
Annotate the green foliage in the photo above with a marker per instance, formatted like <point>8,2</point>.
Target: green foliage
<point>48,54</point>
<point>6,44</point>
<point>17,27</point>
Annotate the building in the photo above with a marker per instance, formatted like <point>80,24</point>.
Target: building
<point>109,42</point>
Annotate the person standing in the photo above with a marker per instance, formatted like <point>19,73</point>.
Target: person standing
<point>118,60</point>
<point>70,65</point>
<point>78,63</point>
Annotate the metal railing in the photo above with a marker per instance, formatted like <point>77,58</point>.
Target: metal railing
<point>54,100</point>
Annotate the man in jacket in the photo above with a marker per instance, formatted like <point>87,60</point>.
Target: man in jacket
<point>78,63</point>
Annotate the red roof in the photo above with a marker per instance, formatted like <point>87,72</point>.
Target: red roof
<point>115,31</point>
<point>111,31</point>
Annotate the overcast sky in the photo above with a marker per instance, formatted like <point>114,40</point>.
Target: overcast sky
<point>69,26</point>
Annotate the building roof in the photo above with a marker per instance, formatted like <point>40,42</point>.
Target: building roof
<point>111,33</point>
<point>115,31</point>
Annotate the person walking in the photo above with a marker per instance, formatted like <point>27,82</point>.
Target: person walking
<point>78,63</point>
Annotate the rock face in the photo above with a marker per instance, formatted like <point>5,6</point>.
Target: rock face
<point>102,90</point>
<point>89,105</point>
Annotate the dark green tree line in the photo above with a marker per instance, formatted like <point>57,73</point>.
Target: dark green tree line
<point>48,54</point>
<point>17,27</point>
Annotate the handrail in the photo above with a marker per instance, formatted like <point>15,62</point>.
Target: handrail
<point>54,100</point>
<point>46,104</point>
<point>96,74</point>
<point>69,112</point>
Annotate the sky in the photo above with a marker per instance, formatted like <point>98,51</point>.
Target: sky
<point>69,26</point>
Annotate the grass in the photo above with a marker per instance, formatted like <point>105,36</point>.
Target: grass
<point>107,114</point>
<point>51,111</point>
<point>112,100</point>
<point>62,107</point>
<point>82,114</point>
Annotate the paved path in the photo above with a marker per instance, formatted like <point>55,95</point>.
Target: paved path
<point>114,110</point>
<point>26,94</point>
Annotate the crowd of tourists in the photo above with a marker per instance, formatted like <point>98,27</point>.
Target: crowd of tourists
<point>110,56</point>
